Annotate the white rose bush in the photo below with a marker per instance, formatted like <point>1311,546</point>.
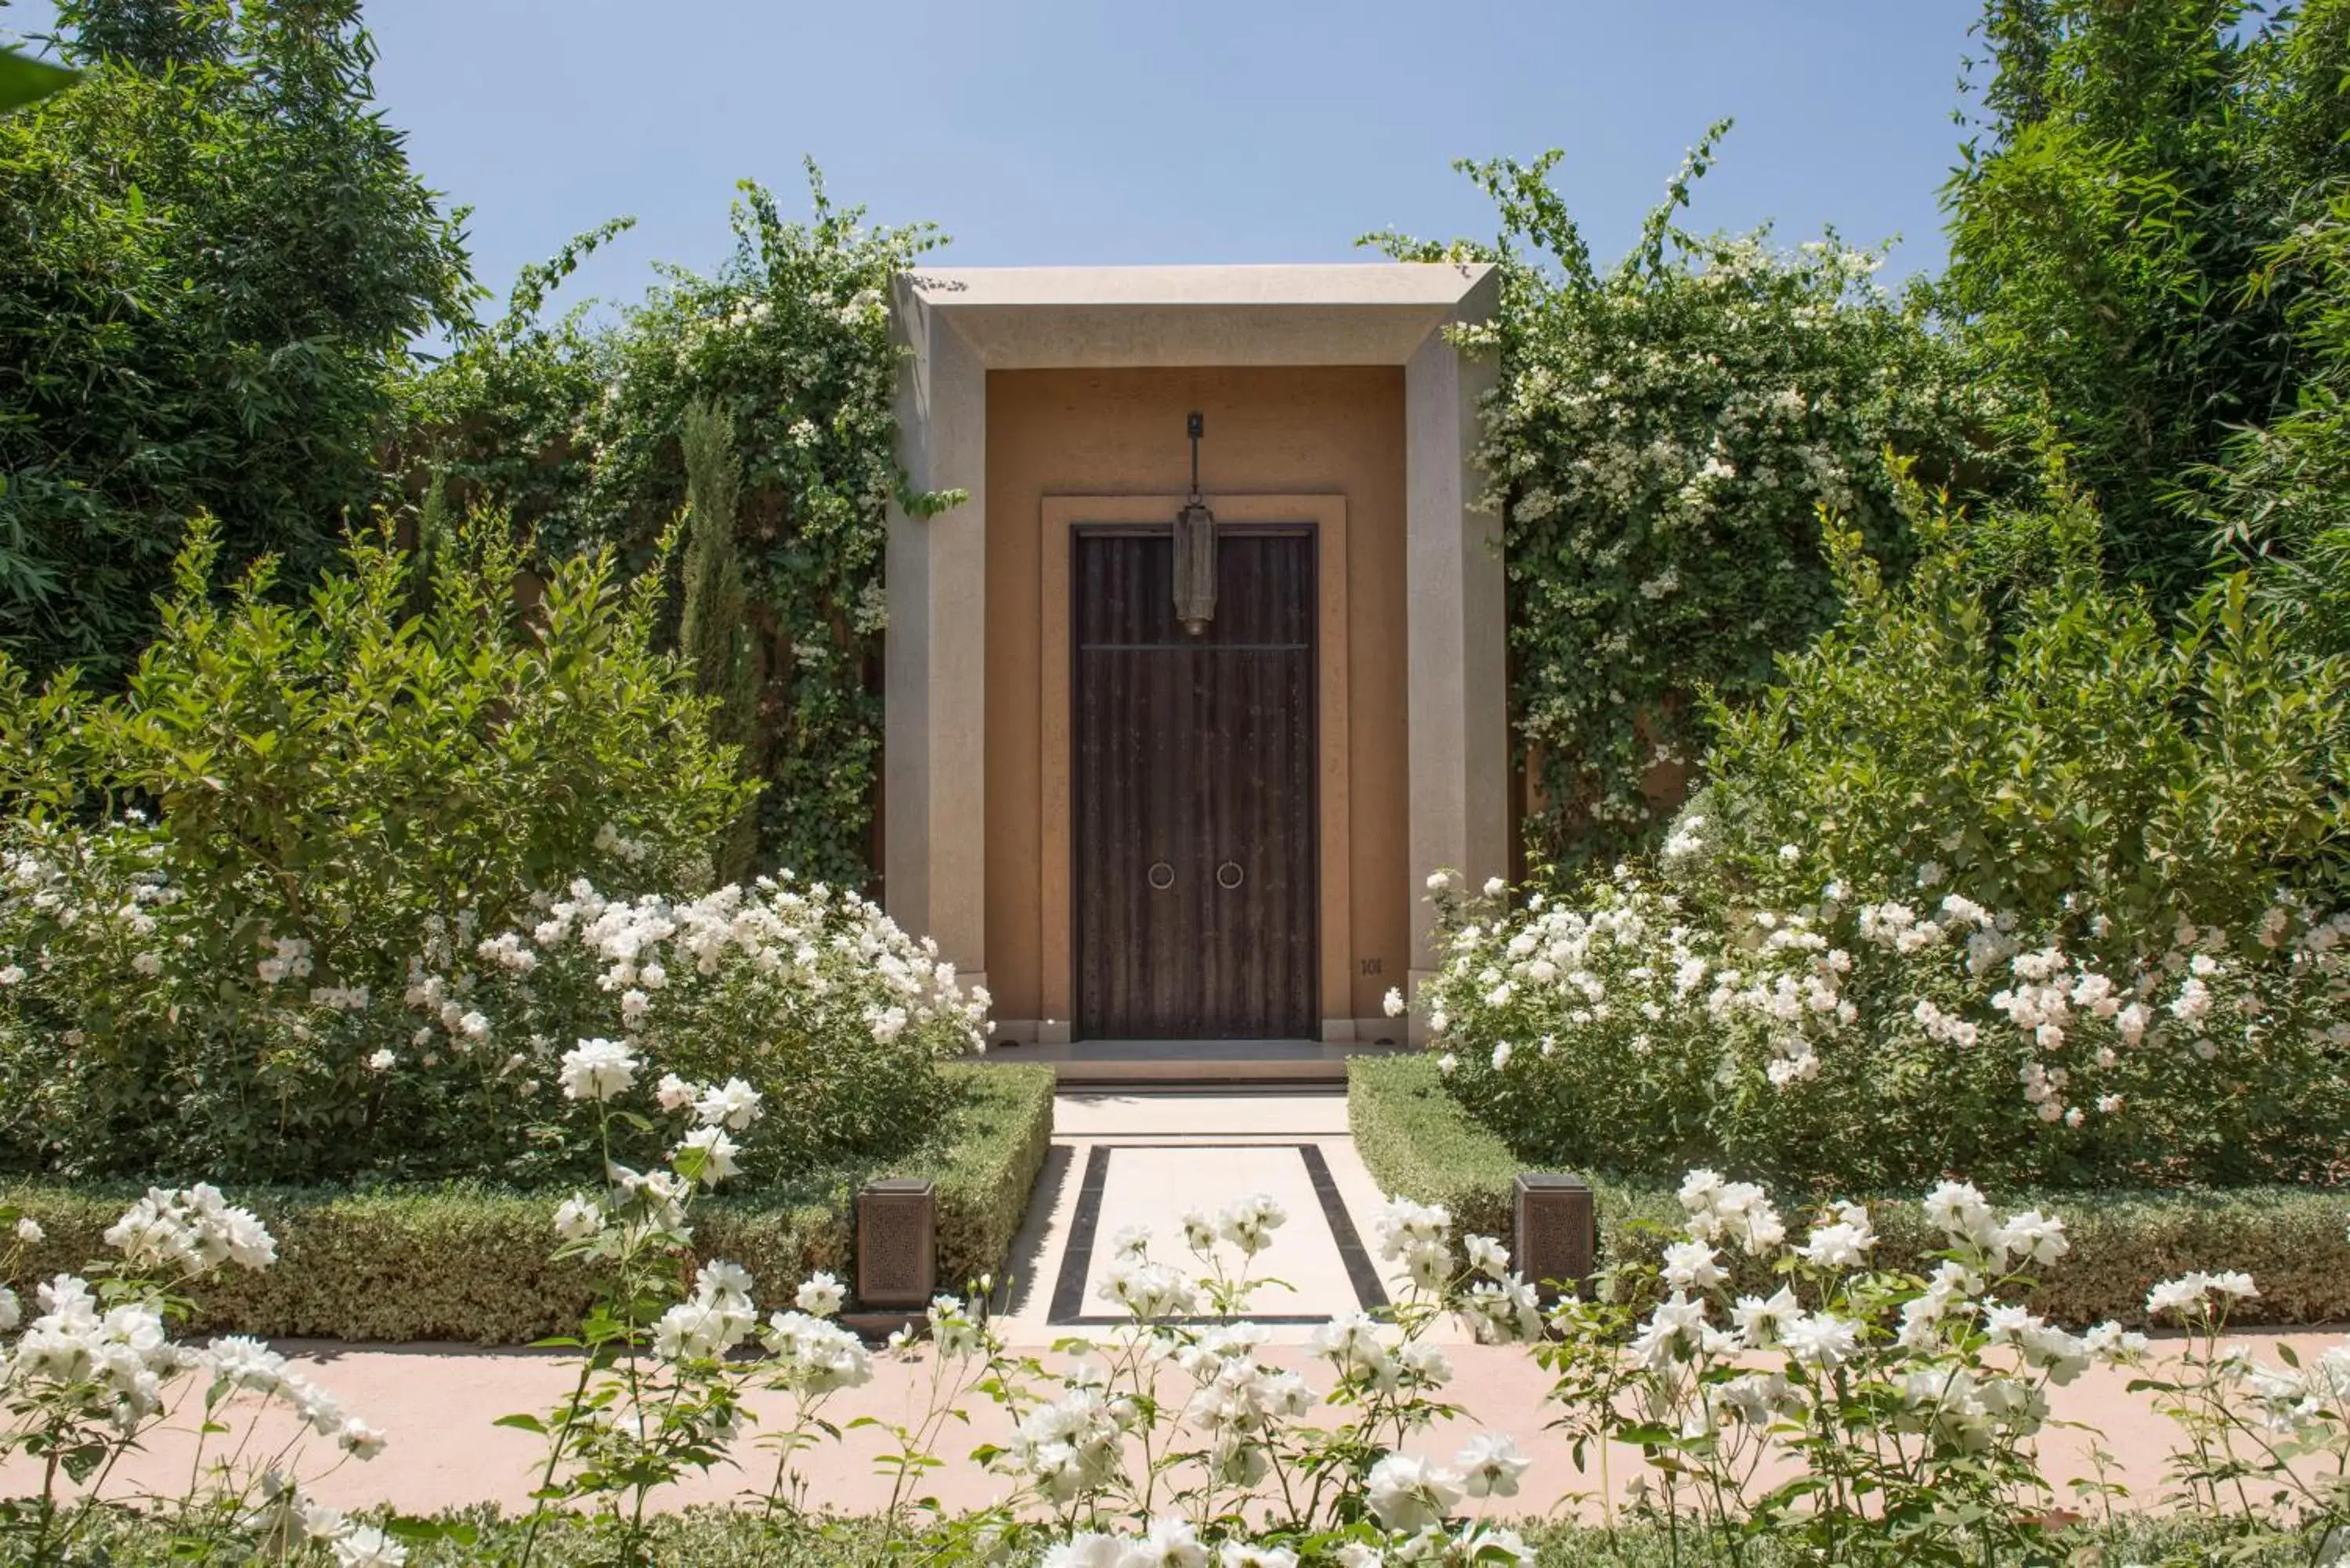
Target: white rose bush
<point>1770,1384</point>
<point>2031,892</point>
<point>1856,1413</point>
<point>1633,1030</point>
<point>810,989</point>
<point>832,1013</point>
<point>89,1369</point>
<point>1845,1411</point>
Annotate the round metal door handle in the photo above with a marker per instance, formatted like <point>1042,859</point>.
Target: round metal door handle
<point>1230,876</point>
<point>1161,875</point>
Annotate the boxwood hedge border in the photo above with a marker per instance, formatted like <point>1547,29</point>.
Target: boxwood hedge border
<point>1418,1142</point>
<point>469,1263</point>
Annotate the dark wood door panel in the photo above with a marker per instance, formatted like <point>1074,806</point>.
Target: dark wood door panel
<point>1193,792</point>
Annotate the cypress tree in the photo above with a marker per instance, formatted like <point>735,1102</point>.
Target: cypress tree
<point>715,630</point>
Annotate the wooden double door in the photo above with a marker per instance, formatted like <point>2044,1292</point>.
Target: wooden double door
<point>1193,790</point>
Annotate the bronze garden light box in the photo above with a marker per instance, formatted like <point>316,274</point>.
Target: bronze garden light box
<point>1557,1227</point>
<point>897,1244</point>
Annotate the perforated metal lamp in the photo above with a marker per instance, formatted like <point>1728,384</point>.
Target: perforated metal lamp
<point>1195,550</point>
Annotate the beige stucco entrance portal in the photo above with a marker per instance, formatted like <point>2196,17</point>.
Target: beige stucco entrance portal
<point>1055,399</point>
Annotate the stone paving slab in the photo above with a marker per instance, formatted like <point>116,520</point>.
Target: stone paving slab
<point>1105,1113</point>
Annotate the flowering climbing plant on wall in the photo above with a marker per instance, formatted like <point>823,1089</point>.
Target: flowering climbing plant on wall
<point>1661,436</point>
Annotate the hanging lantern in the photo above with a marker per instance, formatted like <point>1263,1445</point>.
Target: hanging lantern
<point>1195,551</point>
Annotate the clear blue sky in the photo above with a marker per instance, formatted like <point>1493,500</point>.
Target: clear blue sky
<point>1159,131</point>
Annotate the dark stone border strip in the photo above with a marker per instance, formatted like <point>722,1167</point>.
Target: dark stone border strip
<point>1069,1290</point>
<point>1369,1291</point>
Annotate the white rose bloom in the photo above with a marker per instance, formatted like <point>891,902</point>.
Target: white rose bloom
<point>1824,1341</point>
<point>1411,1494</point>
<point>1491,1464</point>
<point>1692,1266</point>
<point>576,1219</point>
<point>733,1104</point>
<point>819,1295</point>
<point>360,1440</point>
<point>598,1070</point>
<point>717,1152</point>
<point>1168,1543</point>
<point>365,1546</point>
<point>1488,1256</point>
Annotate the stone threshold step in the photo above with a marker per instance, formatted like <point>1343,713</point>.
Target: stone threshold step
<point>1137,1063</point>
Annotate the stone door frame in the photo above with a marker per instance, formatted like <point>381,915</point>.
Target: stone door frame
<point>953,325</point>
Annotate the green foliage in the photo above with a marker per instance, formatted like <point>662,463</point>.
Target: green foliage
<point>461,1263</point>
<point>25,80</point>
<point>580,432</point>
<point>724,1537</point>
<point>339,791</point>
<point>1661,435</point>
<point>997,1131</point>
<point>2277,496</point>
<point>2113,223</point>
<point>1419,1143</point>
<point>2044,741</point>
<point>469,1263</point>
<point>218,255</point>
<point>713,627</point>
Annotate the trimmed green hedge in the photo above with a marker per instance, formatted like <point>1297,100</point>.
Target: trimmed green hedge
<point>470,1262</point>
<point>988,1167</point>
<point>1420,1142</point>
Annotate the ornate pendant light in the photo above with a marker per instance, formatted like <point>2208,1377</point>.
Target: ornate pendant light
<point>1195,551</point>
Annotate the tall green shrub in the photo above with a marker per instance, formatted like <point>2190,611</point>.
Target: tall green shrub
<point>2038,741</point>
<point>2277,496</point>
<point>216,256</point>
<point>2130,171</point>
<point>225,885</point>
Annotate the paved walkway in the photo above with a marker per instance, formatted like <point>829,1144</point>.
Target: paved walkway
<point>1119,1159</point>
<point>1144,1159</point>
